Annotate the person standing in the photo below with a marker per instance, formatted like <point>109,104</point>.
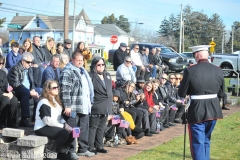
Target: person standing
<point>49,49</point>
<point>204,109</point>
<point>87,55</point>
<point>119,55</point>
<point>68,47</point>
<point>77,98</point>
<point>102,106</point>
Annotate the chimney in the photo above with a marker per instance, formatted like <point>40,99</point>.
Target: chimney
<point>17,14</point>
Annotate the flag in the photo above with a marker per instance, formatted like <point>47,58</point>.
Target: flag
<point>174,107</point>
<point>116,119</point>
<point>76,132</point>
<point>9,89</point>
<point>124,124</point>
<point>158,114</point>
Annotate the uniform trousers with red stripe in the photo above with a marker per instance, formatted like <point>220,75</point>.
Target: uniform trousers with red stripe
<point>199,136</point>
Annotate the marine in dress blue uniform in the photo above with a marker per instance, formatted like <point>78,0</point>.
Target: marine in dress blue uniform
<point>204,83</point>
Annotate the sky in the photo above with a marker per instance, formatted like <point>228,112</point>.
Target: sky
<point>149,12</point>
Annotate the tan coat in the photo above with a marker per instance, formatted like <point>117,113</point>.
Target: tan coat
<point>87,55</point>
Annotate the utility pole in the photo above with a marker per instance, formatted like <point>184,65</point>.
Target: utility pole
<point>223,42</point>
<point>73,32</point>
<point>232,37</point>
<point>183,36</point>
<point>66,18</point>
<point>180,37</point>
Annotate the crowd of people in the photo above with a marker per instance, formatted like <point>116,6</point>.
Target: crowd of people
<point>67,94</point>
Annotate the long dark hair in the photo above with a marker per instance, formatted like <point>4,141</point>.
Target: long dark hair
<point>95,60</point>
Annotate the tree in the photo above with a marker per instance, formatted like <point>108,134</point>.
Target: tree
<point>1,22</point>
<point>236,38</point>
<point>121,22</point>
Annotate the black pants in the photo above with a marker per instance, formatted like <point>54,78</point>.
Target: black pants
<point>121,132</point>
<point>165,116</point>
<point>82,120</point>
<point>224,100</point>
<point>8,108</point>
<point>180,110</point>
<point>97,126</point>
<point>136,114</point>
<point>61,136</point>
<point>140,72</point>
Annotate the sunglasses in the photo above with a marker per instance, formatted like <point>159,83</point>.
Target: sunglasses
<point>1,63</point>
<point>128,49</point>
<point>164,78</point>
<point>101,65</point>
<point>136,48</point>
<point>54,88</point>
<point>172,78</point>
<point>28,62</point>
<point>178,78</point>
<point>128,61</point>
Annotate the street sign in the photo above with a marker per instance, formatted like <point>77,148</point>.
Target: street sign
<point>213,44</point>
<point>212,49</point>
<point>114,39</point>
<point>17,26</point>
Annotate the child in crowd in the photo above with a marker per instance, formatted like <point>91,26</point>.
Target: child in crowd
<point>13,56</point>
<point>114,134</point>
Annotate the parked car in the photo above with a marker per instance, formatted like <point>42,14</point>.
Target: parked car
<point>229,62</point>
<point>176,62</point>
<point>190,57</point>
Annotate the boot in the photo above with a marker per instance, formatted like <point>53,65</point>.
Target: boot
<point>135,141</point>
<point>129,140</point>
<point>138,132</point>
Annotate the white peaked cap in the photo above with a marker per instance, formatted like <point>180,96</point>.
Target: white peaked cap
<point>200,48</point>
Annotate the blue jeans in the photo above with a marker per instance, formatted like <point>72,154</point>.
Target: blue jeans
<point>154,72</point>
<point>134,68</point>
<point>23,95</point>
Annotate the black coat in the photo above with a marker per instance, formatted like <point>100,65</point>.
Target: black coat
<point>16,75</point>
<point>102,94</point>
<point>152,59</point>
<point>203,79</point>
<point>68,52</point>
<point>3,82</point>
<point>124,96</point>
<point>118,58</point>
<point>38,55</point>
<point>48,53</point>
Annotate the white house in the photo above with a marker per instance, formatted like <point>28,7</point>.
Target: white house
<point>96,36</point>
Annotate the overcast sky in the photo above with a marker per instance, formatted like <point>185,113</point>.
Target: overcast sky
<point>149,12</point>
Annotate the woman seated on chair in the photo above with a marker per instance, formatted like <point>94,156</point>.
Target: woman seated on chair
<point>49,121</point>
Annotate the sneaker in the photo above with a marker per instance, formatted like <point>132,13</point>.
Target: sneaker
<point>111,144</point>
<point>73,156</point>
<point>122,142</point>
<point>87,153</point>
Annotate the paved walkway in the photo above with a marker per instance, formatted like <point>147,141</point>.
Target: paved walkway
<point>123,152</point>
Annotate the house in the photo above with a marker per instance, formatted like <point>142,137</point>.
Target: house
<point>95,36</point>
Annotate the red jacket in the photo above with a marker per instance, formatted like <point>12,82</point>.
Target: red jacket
<point>149,98</point>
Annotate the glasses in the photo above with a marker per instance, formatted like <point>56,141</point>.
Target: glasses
<point>128,61</point>
<point>172,78</point>
<point>127,49</point>
<point>163,78</point>
<point>178,78</point>
<point>101,65</point>
<point>54,88</point>
<point>136,48</point>
<point>158,50</point>
<point>1,63</point>
<point>28,62</point>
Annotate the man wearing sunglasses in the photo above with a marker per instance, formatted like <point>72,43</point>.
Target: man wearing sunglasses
<point>125,72</point>
<point>20,77</point>
<point>204,109</point>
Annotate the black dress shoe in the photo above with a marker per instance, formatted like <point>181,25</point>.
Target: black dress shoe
<point>177,120</point>
<point>25,123</point>
<point>101,150</point>
<point>171,124</point>
<point>225,108</point>
<point>156,132</point>
<point>94,151</point>
<point>148,134</point>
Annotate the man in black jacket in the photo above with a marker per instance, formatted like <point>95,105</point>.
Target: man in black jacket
<point>68,47</point>
<point>119,55</point>
<point>38,53</point>
<point>20,77</point>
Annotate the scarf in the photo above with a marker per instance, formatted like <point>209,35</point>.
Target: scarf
<point>149,98</point>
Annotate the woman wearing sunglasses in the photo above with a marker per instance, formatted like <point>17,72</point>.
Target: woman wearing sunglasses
<point>49,121</point>
<point>102,105</point>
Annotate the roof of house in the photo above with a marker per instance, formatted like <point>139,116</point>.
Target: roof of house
<point>108,29</point>
<point>52,22</point>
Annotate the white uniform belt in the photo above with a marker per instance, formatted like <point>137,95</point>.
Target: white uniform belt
<point>207,96</point>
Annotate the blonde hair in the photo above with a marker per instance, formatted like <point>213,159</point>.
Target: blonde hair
<point>30,49</point>
<point>53,49</point>
<point>62,65</point>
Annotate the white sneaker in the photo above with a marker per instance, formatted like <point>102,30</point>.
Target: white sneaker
<point>87,153</point>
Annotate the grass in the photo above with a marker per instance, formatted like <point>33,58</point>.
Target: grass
<point>225,144</point>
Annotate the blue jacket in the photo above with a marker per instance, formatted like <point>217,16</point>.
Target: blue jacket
<point>49,73</point>
<point>12,59</point>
